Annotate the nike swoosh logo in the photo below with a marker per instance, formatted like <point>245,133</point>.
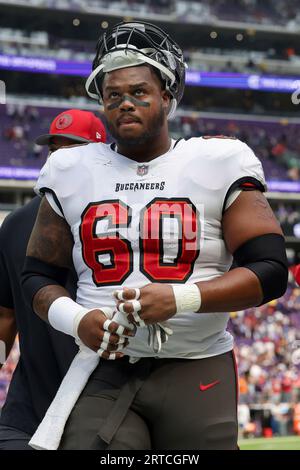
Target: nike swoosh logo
<point>203,388</point>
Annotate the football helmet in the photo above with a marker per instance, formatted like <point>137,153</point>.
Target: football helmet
<point>136,43</point>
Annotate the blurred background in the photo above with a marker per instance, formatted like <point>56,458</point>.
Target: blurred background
<point>243,74</point>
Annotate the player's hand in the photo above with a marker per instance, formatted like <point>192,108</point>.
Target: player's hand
<point>102,335</point>
<point>153,303</point>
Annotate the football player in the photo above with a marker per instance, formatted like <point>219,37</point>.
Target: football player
<point>153,225</point>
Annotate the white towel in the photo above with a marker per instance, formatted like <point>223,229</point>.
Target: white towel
<point>49,433</point>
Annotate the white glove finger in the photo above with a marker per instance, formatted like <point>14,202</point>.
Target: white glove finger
<point>106,337</point>
<point>106,324</point>
<point>122,319</point>
<point>133,328</point>
<point>120,330</point>
<point>121,309</point>
<point>158,343</point>
<point>103,353</point>
<point>136,304</point>
<point>104,345</point>
<point>150,335</point>
<point>108,312</point>
<point>165,328</point>
<point>112,357</point>
<point>138,320</point>
<point>137,293</point>
<point>119,294</point>
<point>119,348</point>
<point>168,331</point>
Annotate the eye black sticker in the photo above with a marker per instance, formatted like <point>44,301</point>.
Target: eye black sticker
<point>128,98</point>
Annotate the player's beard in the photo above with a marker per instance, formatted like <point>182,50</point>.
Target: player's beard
<point>153,130</point>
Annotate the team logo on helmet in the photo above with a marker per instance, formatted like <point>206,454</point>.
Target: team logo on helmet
<point>64,121</point>
<point>142,170</point>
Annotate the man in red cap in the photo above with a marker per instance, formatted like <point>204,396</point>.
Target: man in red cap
<point>73,127</point>
<point>45,353</point>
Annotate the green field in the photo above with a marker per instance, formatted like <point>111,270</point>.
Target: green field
<point>273,443</point>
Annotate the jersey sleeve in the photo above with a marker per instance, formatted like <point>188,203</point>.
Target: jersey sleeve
<point>48,184</point>
<point>245,174</point>
<point>58,178</point>
<point>53,203</point>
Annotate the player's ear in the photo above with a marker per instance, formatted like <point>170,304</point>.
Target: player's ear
<point>166,100</point>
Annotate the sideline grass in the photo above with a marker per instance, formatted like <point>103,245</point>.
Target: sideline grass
<point>272,443</point>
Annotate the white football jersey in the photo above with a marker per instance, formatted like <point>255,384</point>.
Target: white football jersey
<point>160,221</point>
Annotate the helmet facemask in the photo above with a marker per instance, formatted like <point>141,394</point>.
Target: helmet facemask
<point>133,44</point>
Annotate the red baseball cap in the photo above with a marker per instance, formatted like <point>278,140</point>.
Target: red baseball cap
<point>75,124</point>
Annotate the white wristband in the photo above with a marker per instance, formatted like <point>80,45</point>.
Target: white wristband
<point>187,297</point>
<point>62,315</point>
<point>65,315</point>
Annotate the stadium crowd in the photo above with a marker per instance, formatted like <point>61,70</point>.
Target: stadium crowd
<point>289,218</point>
<point>275,143</point>
<point>282,61</point>
<point>281,12</point>
<point>268,355</point>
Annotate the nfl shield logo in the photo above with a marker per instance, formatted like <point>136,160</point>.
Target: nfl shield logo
<point>142,170</point>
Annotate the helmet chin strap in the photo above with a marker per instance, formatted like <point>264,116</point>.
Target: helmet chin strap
<point>118,59</point>
<point>90,80</point>
<point>172,109</point>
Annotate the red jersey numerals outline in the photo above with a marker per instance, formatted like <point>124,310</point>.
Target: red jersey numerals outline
<point>93,245</point>
<point>151,241</point>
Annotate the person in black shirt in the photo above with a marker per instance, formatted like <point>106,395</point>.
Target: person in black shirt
<point>45,353</point>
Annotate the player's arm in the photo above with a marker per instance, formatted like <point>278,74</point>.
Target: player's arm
<point>8,331</point>
<point>255,239</point>
<point>48,259</point>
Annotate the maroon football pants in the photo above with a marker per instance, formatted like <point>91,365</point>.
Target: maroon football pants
<point>156,404</point>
